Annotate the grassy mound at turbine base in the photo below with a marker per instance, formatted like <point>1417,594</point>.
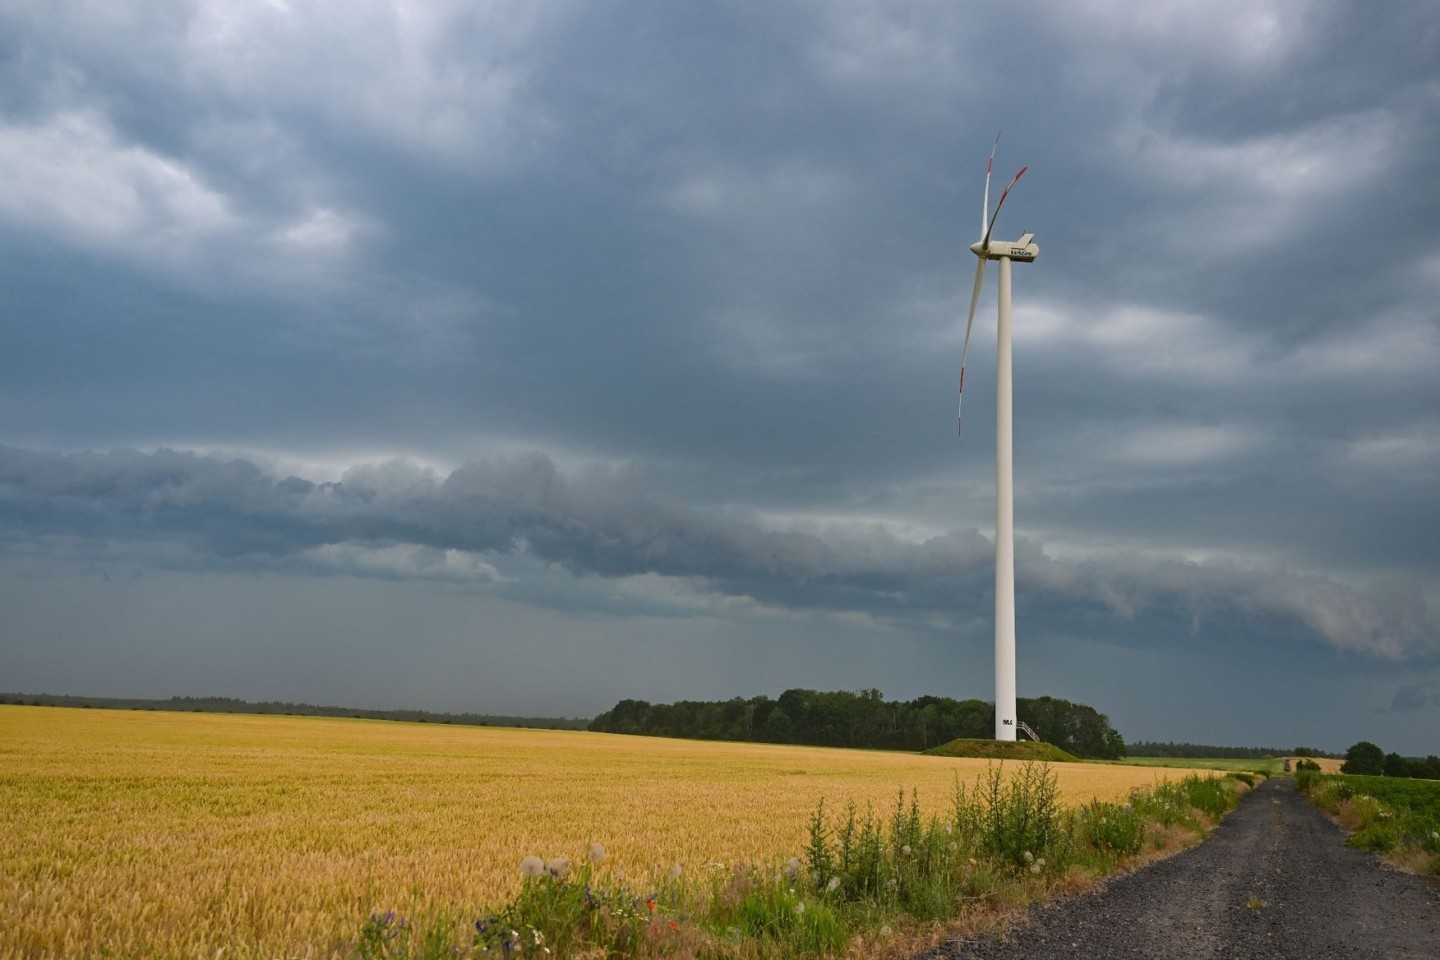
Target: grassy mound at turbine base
<point>1003,750</point>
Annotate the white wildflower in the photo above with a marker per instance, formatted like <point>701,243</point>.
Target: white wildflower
<point>1029,857</point>
<point>891,884</point>
<point>597,852</point>
<point>833,885</point>
<point>792,867</point>
<point>800,907</point>
<point>531,866</point>
<point>559,867</point>
<point>675,872</point>
<point>905,850</point>
<point>1035,868</point>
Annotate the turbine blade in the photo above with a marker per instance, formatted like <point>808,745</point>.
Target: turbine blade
<point>985,206</point>
<point>1003,194</point>
<point>965,350</point>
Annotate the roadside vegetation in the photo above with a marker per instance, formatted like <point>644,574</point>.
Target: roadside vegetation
<point>867,883</point>
<point>1396,818</point>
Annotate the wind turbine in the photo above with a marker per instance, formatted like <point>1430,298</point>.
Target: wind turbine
<point>1025,252</point>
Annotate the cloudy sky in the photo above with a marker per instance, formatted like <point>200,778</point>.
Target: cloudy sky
<point>520,356</point>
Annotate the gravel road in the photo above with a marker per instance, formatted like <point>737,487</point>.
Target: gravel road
<point>1274,880</point>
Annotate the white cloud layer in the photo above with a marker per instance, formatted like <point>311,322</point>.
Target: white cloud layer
<point>398,520</point>
<point>70,176</point>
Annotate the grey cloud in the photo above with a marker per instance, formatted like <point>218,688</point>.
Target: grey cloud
<point>397,520</point>
<point>1410,698</point>
<point>1387,623</point>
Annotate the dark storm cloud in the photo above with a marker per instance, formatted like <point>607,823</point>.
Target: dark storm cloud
<point>725,246</point>
<point>757,218</point>
<point>603,523</point>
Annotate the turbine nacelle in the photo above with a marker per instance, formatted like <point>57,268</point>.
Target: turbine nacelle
<point>1022,250</point>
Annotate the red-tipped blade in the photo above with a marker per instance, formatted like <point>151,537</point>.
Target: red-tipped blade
<point>985,205</point>
<point>985,241</point>
<point>965,349</point>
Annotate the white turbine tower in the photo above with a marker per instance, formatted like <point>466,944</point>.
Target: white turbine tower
<point>1024,251</point>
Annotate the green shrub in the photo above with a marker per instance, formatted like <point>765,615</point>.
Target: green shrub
<point>1106,832</point>
<point>1016,817</point>
<point>775,912</point>
<point>1377,837</point>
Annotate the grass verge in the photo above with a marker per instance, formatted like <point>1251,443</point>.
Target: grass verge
<point>1398,819</point>
<point>867,884</point>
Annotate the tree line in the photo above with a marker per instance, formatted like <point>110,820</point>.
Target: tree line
<point>1366,759</point>
<point>863,719</point>
<point>1154,748</point>
<point>282,708</point>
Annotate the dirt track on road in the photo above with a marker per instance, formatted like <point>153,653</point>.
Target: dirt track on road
<point>1274,880</point>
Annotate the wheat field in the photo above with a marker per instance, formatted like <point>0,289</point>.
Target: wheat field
<point>135,833</point>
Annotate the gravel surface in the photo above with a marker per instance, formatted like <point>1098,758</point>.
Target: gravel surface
<point>1274,880</point>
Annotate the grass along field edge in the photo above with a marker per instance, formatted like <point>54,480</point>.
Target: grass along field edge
<point>1399,819</point>
<point>865,886</point>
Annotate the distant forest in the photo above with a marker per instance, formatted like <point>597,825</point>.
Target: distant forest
<point>230,705</point>
<point>864,719</point>
<point>1152,748</point>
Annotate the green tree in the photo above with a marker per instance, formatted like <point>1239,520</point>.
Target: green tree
<point>1365,759</point>
<point>1397,766</point>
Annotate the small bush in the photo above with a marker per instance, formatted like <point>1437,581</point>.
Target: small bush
<point>1106,832</point>
<point>1015,817</point>
<point>1377,837</point>
<point>778,914</point>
